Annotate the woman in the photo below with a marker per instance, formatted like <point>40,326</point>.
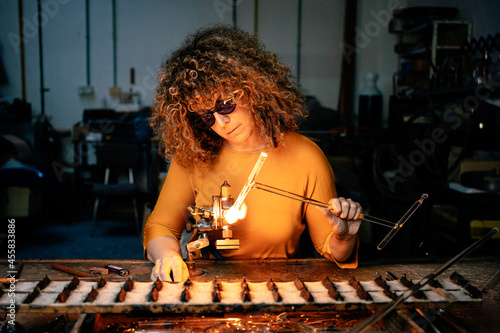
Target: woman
<point>222,99</point>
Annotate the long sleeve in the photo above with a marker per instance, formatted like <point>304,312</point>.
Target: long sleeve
<point>321,186</point>
<point>170,213</point>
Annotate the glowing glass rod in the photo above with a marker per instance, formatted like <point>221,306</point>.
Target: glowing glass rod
<point>232,212</point>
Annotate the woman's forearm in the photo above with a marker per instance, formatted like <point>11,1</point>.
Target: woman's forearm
<point>164,246</point>
<point>342,247</point>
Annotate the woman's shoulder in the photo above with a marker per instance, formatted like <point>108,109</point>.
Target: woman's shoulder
<point>298,147</point>
<point>301,143</point>
<point>302,154</point>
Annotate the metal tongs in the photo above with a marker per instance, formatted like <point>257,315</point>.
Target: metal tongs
<point>252,184</point>
<point>395,227</point>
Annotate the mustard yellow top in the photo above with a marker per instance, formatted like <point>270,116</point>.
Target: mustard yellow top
<point>273,224</point>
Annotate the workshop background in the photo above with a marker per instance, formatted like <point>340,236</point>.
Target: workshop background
<point>402,96</point>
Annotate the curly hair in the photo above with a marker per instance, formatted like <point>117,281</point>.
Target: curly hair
<point>221,62</point>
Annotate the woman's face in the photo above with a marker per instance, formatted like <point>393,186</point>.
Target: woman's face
<point>238,130</point>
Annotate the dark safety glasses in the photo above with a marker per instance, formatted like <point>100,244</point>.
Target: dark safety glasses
<point>221,107</point>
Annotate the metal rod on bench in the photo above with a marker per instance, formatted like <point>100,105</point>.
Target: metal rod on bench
<point>416,287</point>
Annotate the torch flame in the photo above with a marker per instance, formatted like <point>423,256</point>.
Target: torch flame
<point>233,214</point>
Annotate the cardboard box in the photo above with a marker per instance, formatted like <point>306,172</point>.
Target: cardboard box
<point>479,165</point>
<point>478,228</point>
<point>20,202</point>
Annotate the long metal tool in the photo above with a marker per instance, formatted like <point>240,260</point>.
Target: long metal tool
<point>416,287</point>
<point>402,221</point>
<point>252,184</point>
<point>364,217</point>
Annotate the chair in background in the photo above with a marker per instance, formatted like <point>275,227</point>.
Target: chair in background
<point>119,160</point>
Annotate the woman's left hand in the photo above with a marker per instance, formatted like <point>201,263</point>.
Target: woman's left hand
<point>343,215</point>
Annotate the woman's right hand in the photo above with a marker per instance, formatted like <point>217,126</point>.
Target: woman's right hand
<point>165,253</point>
<point>171,268</point>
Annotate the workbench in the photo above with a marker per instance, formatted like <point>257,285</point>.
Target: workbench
<point>478,314</point>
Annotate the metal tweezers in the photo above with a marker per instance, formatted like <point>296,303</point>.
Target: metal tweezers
<point>372,219</point>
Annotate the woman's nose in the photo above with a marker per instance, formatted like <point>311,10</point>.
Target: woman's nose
<point>221,119</point>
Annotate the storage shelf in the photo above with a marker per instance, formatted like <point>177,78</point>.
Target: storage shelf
<point>429,48</point>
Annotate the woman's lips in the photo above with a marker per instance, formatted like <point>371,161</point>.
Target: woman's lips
<point>234,129</point>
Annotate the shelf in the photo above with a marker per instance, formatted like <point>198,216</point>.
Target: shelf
<point>450,92</point>
<point>454,48</point>
<point>412,51</point>
<point>431,54</point>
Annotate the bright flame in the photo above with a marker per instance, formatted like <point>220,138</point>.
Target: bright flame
<point>232,214</point>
